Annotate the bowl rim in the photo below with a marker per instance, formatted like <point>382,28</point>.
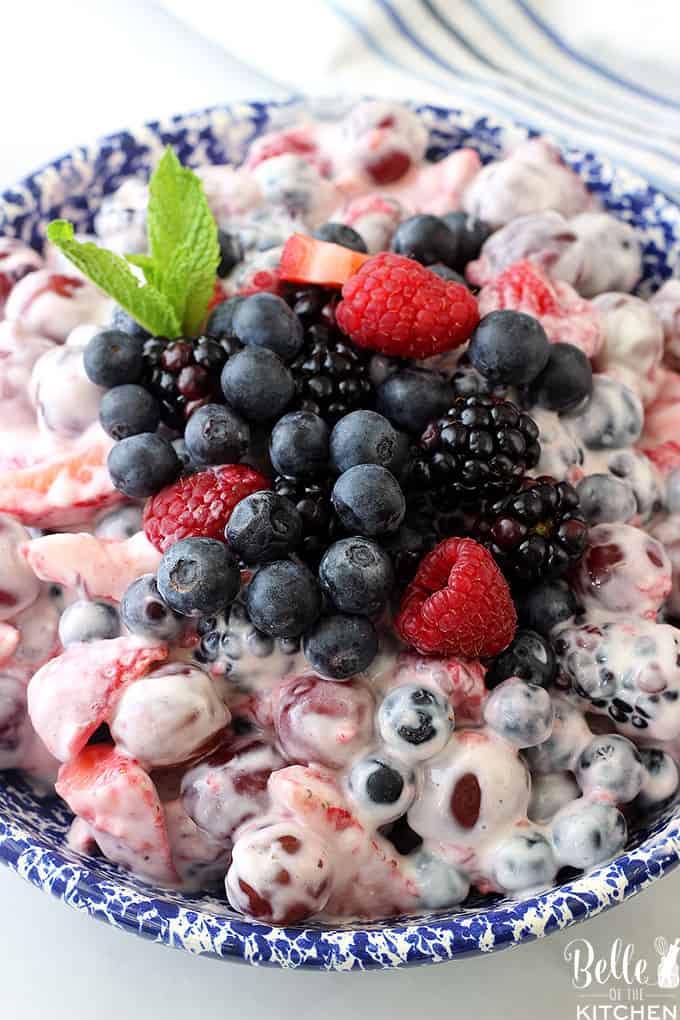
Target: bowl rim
<point>437,938</point>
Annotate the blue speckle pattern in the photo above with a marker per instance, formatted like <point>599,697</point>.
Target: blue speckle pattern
<point>33,829</point>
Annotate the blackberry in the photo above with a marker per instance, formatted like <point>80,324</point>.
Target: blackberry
<point>331,376</point>
<point>536,533</point>
<point>184,374</point>
<point>313,305</point>
<point>320,525</point>
<point>480,449</point>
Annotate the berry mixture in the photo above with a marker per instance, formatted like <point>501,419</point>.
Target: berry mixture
<point>339,570</point>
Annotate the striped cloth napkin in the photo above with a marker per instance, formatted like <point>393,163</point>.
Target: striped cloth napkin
<point>602,74</point>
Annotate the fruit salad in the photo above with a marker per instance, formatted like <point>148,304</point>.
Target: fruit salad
<point>340,524</point>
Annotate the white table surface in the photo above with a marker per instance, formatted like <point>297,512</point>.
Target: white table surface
<point>69,72</point>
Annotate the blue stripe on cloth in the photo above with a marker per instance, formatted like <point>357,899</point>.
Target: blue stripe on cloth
<point>484,93</point>
<point>373,44</point>
<point>458,35</point>
<point>589,101</point>
<point>588,62</point>
<point>528,99</point>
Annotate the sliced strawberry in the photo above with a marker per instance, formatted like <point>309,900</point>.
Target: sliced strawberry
<point>62,491</point>
<point>104,569</point>
<point>372,882</point>
<point>114,794</point>
<point>313,796</point>
<point>73,694</point>
<point>306,260</point>
<point>665,456</point>
<point>198,858</point>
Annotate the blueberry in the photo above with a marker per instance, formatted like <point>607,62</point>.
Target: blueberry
<point>338,233</point>
<point>88,621</point>
<point>112,358</point>
<point>444,273</point>
<point>610,763</point>
<point>588,832</point>
<point>221,320</point>
<point>529,657</point>
<point>413,397</point>
<point>142,465</point>
<point>216,435</point>
<point>659,778</point>
<point>568,735</point>
<point>123,321</point>
<point>544,606</point>
<point>565,381</point>
<point>357,576</point>
<point>128,410</point>
<point>550,791</point>
<point>340,647</point>
<point>509,348</point>
<point>523,861</point>
<point>439,884</point>
<point>415,722</point>
<point>119,524</point>
<point>605,499</point>
<point>613,417</point>
<point>263,527</point>
<point>145,613</point>
<point>257,384</point>
<point>198,577</point>
<point>520,712</point>
<point>283,599</point>
<point>383,788</point>
<point>365,437</point>
<point>299,445</point>
<point>231,252</point>
<point>470,234</point>
<point>265,320</point>
<point>368,500</point>
<point>426,239</point>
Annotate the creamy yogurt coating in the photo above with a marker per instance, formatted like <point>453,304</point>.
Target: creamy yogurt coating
<point>220,759</point>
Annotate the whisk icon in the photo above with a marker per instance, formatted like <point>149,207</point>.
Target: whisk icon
<point>668,971</point>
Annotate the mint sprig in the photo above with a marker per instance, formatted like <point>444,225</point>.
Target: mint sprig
<point>182,262</point>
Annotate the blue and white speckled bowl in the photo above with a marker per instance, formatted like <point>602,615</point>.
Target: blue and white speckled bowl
<point>33,830</point>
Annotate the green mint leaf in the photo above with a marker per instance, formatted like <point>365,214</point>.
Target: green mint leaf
<point>148,267</point>
<point>111,273</point>
<point>182,241</point>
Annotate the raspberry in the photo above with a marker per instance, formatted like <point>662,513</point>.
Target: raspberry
<point>396,306</point>
<point>565,316</point>
<point>200,505</point>
<point>523,286</point>
<point>296,141</point>
<point>458,603</point>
